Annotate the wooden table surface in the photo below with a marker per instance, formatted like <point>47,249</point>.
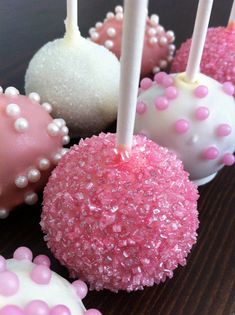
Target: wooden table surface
<point>206,286</point>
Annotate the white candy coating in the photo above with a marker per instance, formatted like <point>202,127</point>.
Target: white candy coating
<point>80,80</point>
<point>200,129</point>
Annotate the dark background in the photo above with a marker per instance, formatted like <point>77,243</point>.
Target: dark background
<point>206,286</point>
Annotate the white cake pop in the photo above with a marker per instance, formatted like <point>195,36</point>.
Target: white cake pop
<point>78,77</point>
<point>190,113</point>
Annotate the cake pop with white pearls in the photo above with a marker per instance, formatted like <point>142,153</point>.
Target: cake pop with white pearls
<point>158,43</point>
<point>78,77</point>
<point>29,287</point>
<point>31,144</point>
<point>190,113</point>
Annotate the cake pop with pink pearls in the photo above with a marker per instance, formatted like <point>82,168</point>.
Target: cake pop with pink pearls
<point>31,144</point>
<point>120,211</point>
<point>218,59</point>
<point>193,117</point>
<point>158,43</point>
<point>30,287</point>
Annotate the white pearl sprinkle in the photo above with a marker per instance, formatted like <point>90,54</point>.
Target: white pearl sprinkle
<point>63,151</point>
<point>21,125</point>
<point>95,36</point>
<point>118,9</point>
<point>92,30</point>
<point>153,40</point>
<point>56,158</point>
<point>53,129</point>
<point>108,44</point>
<point>34,175</point>
<point>152,31</point>
<point>1,90</point>
<point>60,122</point>
<point>34,97</point>
<point>11,91</point>
<point>172,47</point>
<point>163,64</point>
<point>119,16</point>
<point>47,107</point>
<point>44,164</point>
<point>64,130</point>
<point>111,32</point>
<point>21,181</point>
<point>4,213</point>
<point>154,19</point>
<point>109,15</point>
<point>12,110</point>
<point>171,36</point>
<point>160,29</point>
<point>65,140</point>
<point>98,24</point>
<point>163,41</point>
<point>169,58</point>
<point>156,70</point>
<point>31,198</point>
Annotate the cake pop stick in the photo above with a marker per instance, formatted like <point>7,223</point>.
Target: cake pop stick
<point>198,39</point>
<point>71,22</point>
<point>231,21</point>
<point>132,48</point>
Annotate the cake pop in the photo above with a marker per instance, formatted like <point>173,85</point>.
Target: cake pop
<point>218,59</point>
<point>30,146</point>
<point>30,288</point>
<point>158,43</point>
<point>121,215</point>
<point>79,78</point>
<point>192,115</point>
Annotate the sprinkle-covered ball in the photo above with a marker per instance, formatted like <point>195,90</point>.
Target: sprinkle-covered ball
<point>218,60</point>
<point>31,288</point>
<point>196,120</point>
<point>158,43</point>
<point>120,221</point>
<point>80,79</point>
<point>30,146</point>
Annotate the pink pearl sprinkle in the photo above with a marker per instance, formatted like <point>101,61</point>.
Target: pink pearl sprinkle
<point>228,88</point>
<point>42,260</point>
<point>201,91</point>
<point>11,310</point>
<point>159,77</point>
<point>181,126</point>
<point>146,83</point>
<point>167,81</point>
<point>2,263</point>
<point>161,103</point>
<point>92,311</point>
<point>41,274</point>
<point>23,253</point>
<point>202,113</point>
<point>211,153</point>
<point>37,307</point>
<point>141,108</point>
<point>223,130</point>
<point>228,159</point>
<point>81,288</point>
<point>171,92</point>
<point>60,310</point>
<point>9,283</point>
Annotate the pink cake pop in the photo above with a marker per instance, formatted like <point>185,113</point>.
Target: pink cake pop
<point>30,146</point>
<point>218,59</point>
<point>191,114</point>
<point>158,43</point>
<point>121,215</point>
<point>30,288</point>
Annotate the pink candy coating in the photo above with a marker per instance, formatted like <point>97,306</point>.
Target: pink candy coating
<point>11,310</point>
<point>202,113</point>
<point>81,288</point>
<point>228,159</point>
<point>23,253</point>
<point>181,126</point>
<point>223,130</point>
<point>218,59</point>
<point>211,153</point>
<point>201,91</point>
<point>9,283</point>
<point>2,264</point>
<point>92,311</point>
<point>120,224</point>
<point>41,274</point>
<point>60,310</point>
<point>42,260</point>
<point>141,108</point>
<point>161,103</point>
<point>36,307</point>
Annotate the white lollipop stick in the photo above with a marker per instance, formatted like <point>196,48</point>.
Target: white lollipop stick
<point>71,22</point>
<point>198,39</point>
<point>232,14</point>
<point>135,12</point>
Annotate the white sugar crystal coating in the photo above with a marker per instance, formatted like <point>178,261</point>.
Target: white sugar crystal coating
<point>58,291</point>
<point>80,79</point>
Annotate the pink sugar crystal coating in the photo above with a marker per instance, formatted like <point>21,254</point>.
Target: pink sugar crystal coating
<point>120,224</point>
<point>218,60</point>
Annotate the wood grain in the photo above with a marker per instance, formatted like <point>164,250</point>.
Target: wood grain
<point>206,286</point>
